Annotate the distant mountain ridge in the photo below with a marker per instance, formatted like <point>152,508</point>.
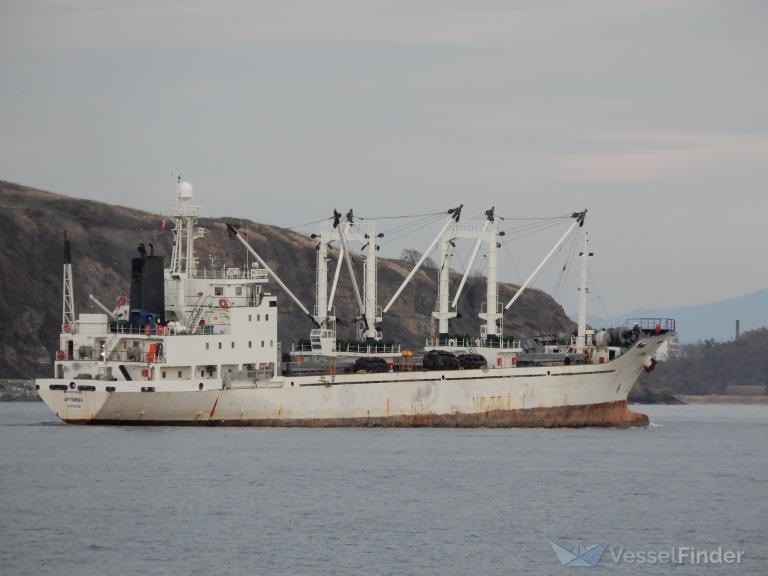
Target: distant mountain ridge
<point>716,320</point>
<point>104,239</point>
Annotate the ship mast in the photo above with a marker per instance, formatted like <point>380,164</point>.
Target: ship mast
<point>584,257</point>
<point>68,300</point>
<point>443,314</point>
<point>491,312</point>
<point>321,297</point>
<point>185,232</point>
<point>372,319</point>
<point>492,315</point>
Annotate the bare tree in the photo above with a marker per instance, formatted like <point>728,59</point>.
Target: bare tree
<point>412,256</point>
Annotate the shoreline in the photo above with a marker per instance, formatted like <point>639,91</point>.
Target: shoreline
<point>14,390</point>
<point>721,399</point>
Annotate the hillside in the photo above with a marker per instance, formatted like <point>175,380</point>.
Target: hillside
<point>710,367</point>
<point>104,239</point>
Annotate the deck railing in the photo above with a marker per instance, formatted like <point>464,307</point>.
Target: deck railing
<point>501,344</point>
<point>648,325</point>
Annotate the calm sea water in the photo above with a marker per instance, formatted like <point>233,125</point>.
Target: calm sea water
<point>112,500</point>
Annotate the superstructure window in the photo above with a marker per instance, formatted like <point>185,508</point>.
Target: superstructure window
<point>262,343</point>
<point>218,291</point>
<point>250,318</point>
<point>163,373</point>
<point>258,317</point>
<point>179,373</point>
<point>232,344</point>
<point>271,343</point>
<point>238,290</point>
<point>250,344</point>
<point>207,345</point>
<point>219,345</point>
<point>266,317</point>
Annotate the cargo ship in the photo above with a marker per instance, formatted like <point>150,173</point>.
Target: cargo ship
<point>197,346</point>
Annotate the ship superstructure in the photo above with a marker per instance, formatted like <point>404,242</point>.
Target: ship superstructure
<point>197,345</point>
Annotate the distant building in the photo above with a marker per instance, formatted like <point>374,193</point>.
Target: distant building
<point>670,349</point>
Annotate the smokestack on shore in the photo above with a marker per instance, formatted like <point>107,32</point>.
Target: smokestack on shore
<point>738,329</point>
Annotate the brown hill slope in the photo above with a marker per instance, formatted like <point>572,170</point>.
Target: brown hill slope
<point>104,239</point>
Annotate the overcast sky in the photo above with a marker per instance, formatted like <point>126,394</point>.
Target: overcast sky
<point>652,114</point>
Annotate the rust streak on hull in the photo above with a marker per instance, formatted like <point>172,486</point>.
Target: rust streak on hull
<point>608,414</point>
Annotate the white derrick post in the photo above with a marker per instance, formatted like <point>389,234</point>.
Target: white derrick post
<point>443,314</point>
<point>321,304</point>
<point>583,293</point>
<point>370,284</point>
<point>491,314</point>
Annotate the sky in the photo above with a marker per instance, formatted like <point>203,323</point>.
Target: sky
<point>651,114</point>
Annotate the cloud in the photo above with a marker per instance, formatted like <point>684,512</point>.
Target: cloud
<point>640,155</point>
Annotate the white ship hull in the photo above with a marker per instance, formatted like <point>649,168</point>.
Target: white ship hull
<point>583,395</point>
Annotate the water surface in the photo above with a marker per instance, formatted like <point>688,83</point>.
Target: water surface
<point>129,500</point>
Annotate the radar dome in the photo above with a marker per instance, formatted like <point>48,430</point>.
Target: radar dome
<point>185,190</point>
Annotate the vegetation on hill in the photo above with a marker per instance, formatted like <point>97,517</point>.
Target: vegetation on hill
<point>710,367</point>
